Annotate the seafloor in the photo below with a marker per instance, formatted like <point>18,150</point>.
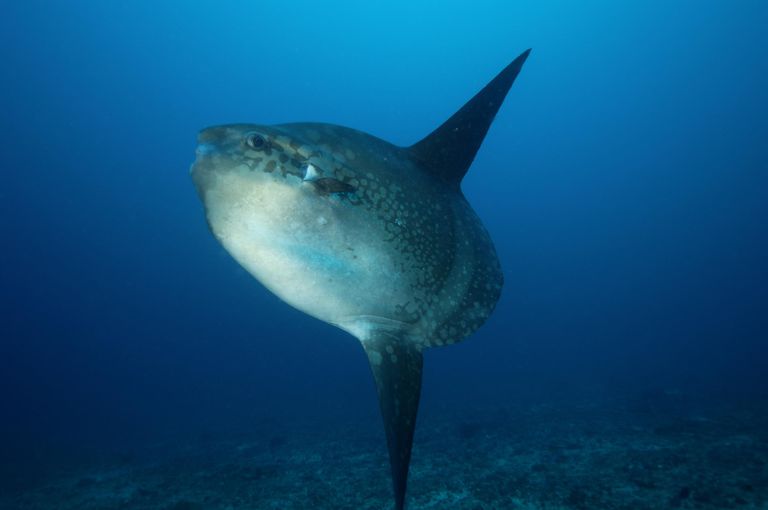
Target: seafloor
<point>655,451</point>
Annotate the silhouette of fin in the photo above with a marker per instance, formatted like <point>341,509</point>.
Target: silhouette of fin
<point>449,150</point>
<point>396,365</point>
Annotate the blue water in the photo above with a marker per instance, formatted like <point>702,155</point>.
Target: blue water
<point>624,181</point>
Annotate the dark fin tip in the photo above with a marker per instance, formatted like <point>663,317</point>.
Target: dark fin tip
<point>396,367</point>
<point>450,149</point>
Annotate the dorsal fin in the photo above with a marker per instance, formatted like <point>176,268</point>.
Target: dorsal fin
<point>449,150</point>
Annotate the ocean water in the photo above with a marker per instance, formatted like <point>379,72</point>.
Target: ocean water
<point>624,182</point>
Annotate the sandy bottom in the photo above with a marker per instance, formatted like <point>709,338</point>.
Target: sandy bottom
<point>653,452</point>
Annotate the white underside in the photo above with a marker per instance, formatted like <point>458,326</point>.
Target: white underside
<point>291,241</point>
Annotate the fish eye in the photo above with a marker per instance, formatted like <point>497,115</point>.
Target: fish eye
<point>255,141</point>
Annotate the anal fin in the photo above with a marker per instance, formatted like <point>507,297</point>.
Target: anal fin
<point>396,365</point>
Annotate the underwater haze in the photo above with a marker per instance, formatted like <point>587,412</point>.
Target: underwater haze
<point>624,182</point>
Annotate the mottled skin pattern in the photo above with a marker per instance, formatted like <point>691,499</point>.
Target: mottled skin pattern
<point>441,277</point>
<point>373,238</point>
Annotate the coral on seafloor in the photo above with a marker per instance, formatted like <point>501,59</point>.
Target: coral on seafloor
<point>628,455</point>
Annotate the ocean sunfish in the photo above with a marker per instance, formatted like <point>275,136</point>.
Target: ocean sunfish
<point>373,238</point>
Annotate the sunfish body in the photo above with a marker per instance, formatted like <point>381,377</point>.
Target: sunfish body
<point>362,234</point>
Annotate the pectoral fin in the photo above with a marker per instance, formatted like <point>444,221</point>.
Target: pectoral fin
<point>396,365</point>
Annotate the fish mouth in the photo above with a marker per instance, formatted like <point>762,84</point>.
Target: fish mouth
<point>204,149</point>
<point>195,164</point>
